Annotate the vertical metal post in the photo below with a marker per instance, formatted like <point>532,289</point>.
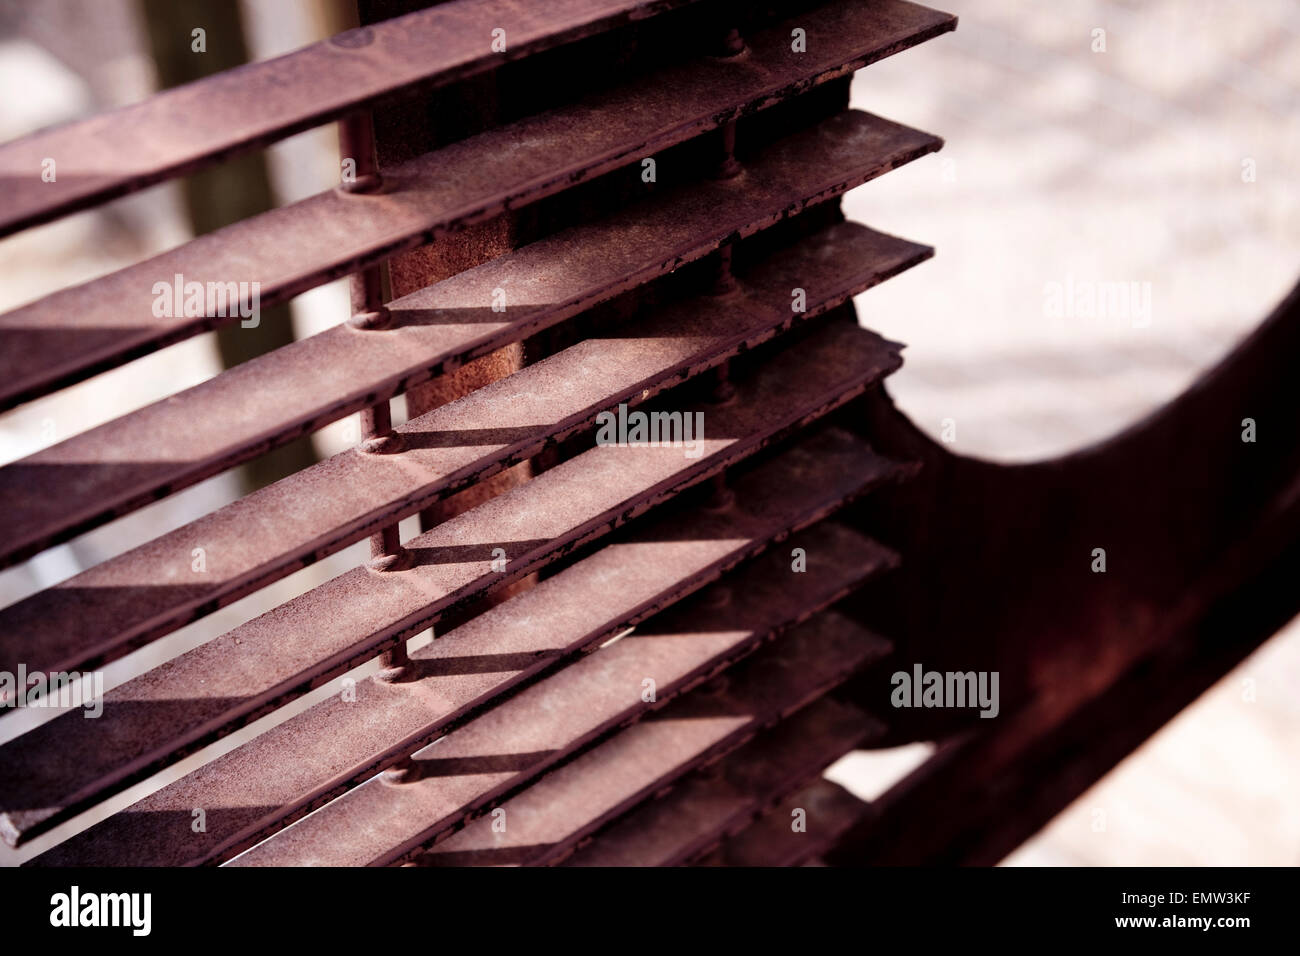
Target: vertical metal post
<point>357,143</point>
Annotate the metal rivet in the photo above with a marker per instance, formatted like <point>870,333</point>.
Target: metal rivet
<point>365,184</point>
<point>383,444</point>
<point>371,320</point>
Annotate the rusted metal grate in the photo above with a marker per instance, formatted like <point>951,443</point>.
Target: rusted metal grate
<point>611,619</point>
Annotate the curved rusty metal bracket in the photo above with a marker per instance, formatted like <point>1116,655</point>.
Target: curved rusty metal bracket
<point>1201,531</point>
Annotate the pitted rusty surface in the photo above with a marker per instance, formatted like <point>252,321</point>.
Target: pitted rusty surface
<point>79,331</point>
<point>715,803</point>
<point>535,705</point>
<point>263,664</point>
<point>182,130</point>
<point>380,822</point>
<point>290,768</point>
<point>116,605</point>
<point>545,821</point>
<point>829,810</point>
<point>347,620</point>
<point>262,403</point>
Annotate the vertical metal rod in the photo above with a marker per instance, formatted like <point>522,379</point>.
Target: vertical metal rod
<point>723,391</point>
<point>728,166</point>
<point>724,281</point>
<point>357,145</point>
<point>733,44</point>
<point>721,495</point>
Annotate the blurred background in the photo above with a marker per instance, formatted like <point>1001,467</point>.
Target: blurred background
<point>1152,142</point>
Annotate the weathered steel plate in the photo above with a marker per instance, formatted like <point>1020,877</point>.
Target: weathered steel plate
<point>150,590</point>
<point>546,820</point>
<point>720,800</point>
<point>68,762</point>
<point>182,130</point>
<point>260,404</point>
<point>79,331</point>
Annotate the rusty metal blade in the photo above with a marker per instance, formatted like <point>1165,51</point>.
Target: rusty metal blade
<point>127,463</point>
<point>67,763</point>
<point>183,130</point>
<point>127,600</point>
<point>715,802</point>
<point>546,820</point>
<point>829,812</point>
<point>271,781</point>
<point>77,332</point>
<point>347,620</point>
<point>383,822</point>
